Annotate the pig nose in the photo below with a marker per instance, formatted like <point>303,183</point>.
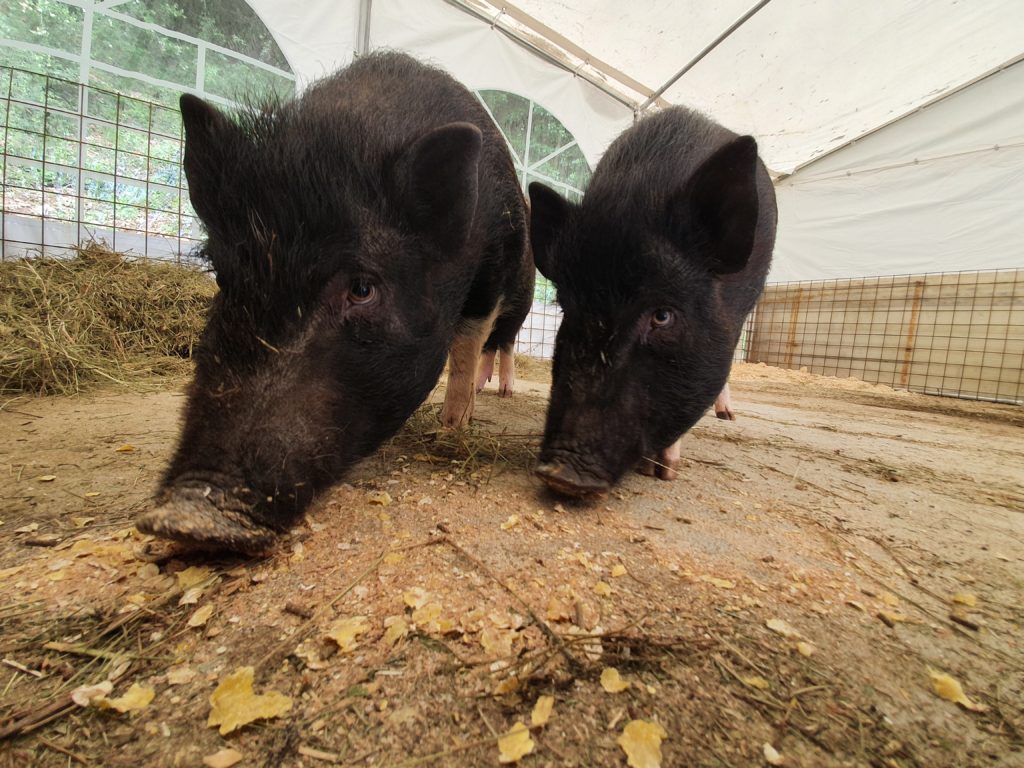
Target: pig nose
<point>565,479</point>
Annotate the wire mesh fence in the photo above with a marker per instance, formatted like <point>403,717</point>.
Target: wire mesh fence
<point>81,163</point>
<point>959,334</point>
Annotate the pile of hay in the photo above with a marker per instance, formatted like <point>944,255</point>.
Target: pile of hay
<point>66,324</point>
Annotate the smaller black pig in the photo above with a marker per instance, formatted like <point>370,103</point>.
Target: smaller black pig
<point>358,234</point>
<point>656,270</point>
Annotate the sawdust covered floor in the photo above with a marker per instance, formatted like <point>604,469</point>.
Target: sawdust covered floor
<point>879,532</point>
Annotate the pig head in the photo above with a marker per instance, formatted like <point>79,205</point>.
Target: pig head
<point>345,230</point>
<point>656,270</point>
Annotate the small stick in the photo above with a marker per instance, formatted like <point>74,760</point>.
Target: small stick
<point>961,620</point>
<point>22,668</point>
<point>316,754</point>
<point>81,650</point>
<point>58,748</point>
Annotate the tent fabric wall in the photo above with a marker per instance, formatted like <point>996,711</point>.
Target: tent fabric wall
<point>940,190</point>
<point>320,36</point>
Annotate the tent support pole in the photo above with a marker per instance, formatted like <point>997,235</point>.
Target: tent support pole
<point>695,60</point>
<point>363,43</point>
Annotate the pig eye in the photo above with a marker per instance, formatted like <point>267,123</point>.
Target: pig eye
<point>662,318</point>
<point>361,291</point>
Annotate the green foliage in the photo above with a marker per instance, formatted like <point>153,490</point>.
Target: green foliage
<point>231,24</point>
<point>43,22</point>
<point>35,62</point>
<point>133,49</point>
<point>235,80</point>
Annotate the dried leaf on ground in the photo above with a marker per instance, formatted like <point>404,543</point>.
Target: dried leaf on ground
<point>756,681</point>
<point>618,570</point>
<point>201,616</point>
<point>193,576</point>
<point>512,522</point>
<point>965,598</point>
<point>771,755</point>
<point>345,631</point>
<point>603,588</point>
<point>380,498</point>
<point>395,629</point>
<point>496,642</point>
<point>180,675</point>
<point>416,597</point>
<point>720,583</point>
<point>542,710</point>
<point>234,703</point>
<point>515,744</point>
<point>612,681</point>
<point>224,758</point>
<point>950,689</point>
<point>805,649</point>
<point>783,628</point>
<point>136,697</point>
<point>84,695</point>
<point>641,741</point>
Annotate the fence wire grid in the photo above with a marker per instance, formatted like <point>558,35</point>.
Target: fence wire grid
<point>959,334</point>
<point>81,163</point>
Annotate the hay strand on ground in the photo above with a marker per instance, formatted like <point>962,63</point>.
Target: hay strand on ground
<point>66,324</point>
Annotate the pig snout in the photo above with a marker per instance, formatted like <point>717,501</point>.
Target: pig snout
<point>214,515</point>
<point>566,479</point>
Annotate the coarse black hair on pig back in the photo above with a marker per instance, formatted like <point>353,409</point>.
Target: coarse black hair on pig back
<point>715,212</point>
<point>549,212</point>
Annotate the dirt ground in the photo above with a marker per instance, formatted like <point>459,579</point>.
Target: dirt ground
<point>816,560</point>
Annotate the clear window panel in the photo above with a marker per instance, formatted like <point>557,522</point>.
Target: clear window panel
<point>48,23</point>
<point>237,80</point>
<point>134,49</point>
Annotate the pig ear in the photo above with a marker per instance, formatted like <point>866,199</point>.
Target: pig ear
<point>548,214</point>
<point>439,175</point>
<point>716,211</point>
<point>206,132</point>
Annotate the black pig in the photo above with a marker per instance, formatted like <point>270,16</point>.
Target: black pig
<point>656,270</point>
<point>357,233</point>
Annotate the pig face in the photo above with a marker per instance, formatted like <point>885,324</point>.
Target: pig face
<point>651,284</point>
<point>333,316</point>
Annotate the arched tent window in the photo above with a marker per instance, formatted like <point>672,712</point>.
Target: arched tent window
<point>148,49</point>
<point>542,150</point>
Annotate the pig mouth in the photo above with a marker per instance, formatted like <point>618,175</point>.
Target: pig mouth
<point>207,517</point>
<point>563,473</point>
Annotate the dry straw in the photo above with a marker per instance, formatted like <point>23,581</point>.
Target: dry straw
<point>67,324</point>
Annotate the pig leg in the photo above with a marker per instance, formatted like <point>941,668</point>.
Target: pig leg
<point>506,371</point>
<point>664,466</point>
<point>463,357</point>
<point>723,405</point>
<point>486,369</point>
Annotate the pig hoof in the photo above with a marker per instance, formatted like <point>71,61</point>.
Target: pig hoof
<point>726,415</point>
<point>563,479</point>
<point>657,468</point>
<point>203,525</point>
